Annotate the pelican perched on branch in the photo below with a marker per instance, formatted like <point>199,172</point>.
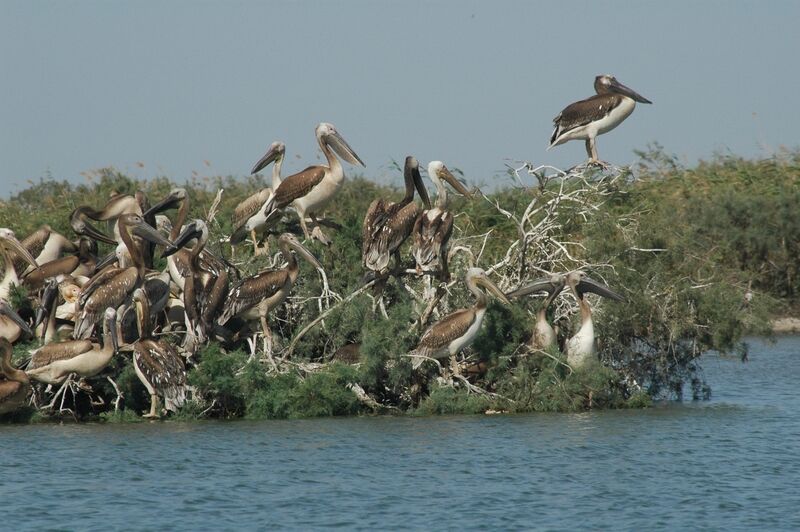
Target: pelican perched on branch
<point>432,230</point>
<point>458,329</point>
<point>596,115</point>
<point>157,364</point>
<point>53,362</point>
<point>253,298</point>
<point>250,207</point>
<point>14,390</point>
<point>308,191</point>
<point>10,245</point>
<point>111,287</point>
<point>580,348</point>
<point>544,336</point>
<point>388,224</point>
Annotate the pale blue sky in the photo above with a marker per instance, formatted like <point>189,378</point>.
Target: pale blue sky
<point>87,84</point>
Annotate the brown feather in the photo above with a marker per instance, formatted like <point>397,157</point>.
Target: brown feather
<point>47,354</point>
<point>431,240</point>
<point>249,207</point>
<point>444,331</point>
<point>34,243</point>
<point>584,112</point>
<point>251,291</point>
<point>298,185</point>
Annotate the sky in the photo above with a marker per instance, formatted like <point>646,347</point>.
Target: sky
<point>182,88</point>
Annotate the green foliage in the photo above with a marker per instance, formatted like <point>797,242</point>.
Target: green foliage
<point>682,244</point>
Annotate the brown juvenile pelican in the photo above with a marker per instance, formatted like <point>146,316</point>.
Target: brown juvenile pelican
<point>254,297</point>
<point>14,390</point>
<point>45,245</point>
<point>388,224</point>
<point>544,336</point>
<point>177,263</point>
<point>157,364</point>
<point>433,229</point>
<point>251,206</point>
<point>80,264</point>
<point>8,245</point>
<point>53,362</point>
<point>204,288</point>
<point>458,329</point>
<point>308,191</point>
<point>595,115</point>
<point>580,348</point>
<point>112,286</point>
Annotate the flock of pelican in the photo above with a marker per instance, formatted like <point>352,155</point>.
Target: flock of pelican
<point>91,308</point>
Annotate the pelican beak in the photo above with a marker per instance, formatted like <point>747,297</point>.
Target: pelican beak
<point>305,253</point>
<point>540,285</point>
<point>343,149</point>
<point>146,231</point>
<point>170,202</point>
<point>109,259</point>
<point>455,183</point>
<point>12,244</point>
<point>112,329</point>
<point>46,304</point>
<point>189,233</point>
<point>6,310</point>
<point>589,285</point>
<point>82,227</point>
<point>493,289</point>
<point>618,87</point>
<point>420,186</point>
<point>273,153</point>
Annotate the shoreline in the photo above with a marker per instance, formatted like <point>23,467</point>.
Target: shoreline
<point>786,324</point>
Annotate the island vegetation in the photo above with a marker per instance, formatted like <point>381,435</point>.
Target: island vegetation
<point>703,255</point>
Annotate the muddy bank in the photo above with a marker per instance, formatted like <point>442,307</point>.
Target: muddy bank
<point>786,325</point>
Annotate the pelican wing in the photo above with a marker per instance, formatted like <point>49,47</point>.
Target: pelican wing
<point>398,227</point>
<point>111,294</point>
<point>34,243</point>
<point>98,280</point>
<point>584,112</point>
<point>47,354</point>
<point>249,207</point>
<point>431,236</point>
<point>251,291</point>
<point>298,185</point>
<point>36,278</point>
<point>163,370</point>
<point>444,331</point>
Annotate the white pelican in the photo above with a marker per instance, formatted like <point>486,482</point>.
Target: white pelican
<point>388,224</point>
<point>251,206</point>
<point>580,348</point>
<point>458,329</point>
<point>53,362</point>
<point>544,336</point>
<point>596,115</point>
<point>308,191</point>
<point>254,297</point>
<point>433,229</point>
<point>157,364</point>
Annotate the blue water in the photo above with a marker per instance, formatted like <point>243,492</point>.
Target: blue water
<point>729,463</point>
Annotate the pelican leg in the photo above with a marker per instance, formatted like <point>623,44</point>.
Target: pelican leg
<point>454,366</point>
<point>268,342</point>
<point>318,234</point>
<point>153,406</point>
<point>303,225</point>
<point>591,150</point>
<point>256,250</point>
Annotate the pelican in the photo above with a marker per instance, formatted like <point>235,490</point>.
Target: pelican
<point>157,365</point>
<point>596,115</point>
<point>580,348</point>
<point>203,289</point>
<point>432,230</point>
<point>251,206</point>
<point>45,245</point>
<point>8,245</point>
<point>308,191</point>
<point>11,325</point>
<point>177,262</point>
<point>14,390</point>
<point>544,336</point>
<point>388,224</point>
<point>112,286</point>
<point>458,329</point>
<point>80,264</point>
<point>255,296</point>
<point>53,362</point>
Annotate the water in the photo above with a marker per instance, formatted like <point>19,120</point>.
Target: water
<point>730,463</point>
